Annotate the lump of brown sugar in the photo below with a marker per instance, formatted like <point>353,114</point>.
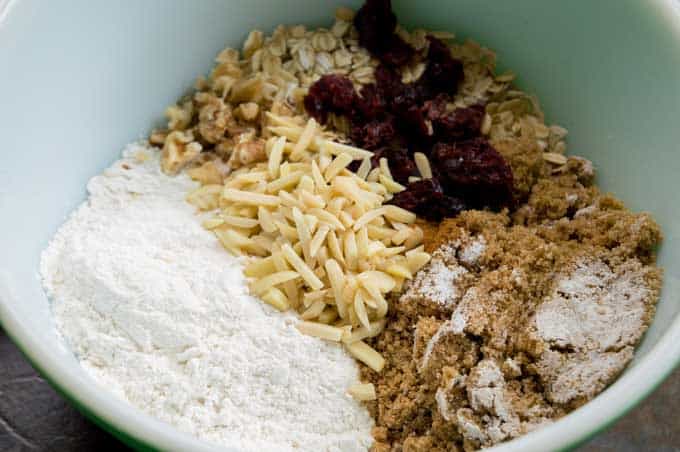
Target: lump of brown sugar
<point>555,198</point>
<point>526,161</point>
<point>516,321</point>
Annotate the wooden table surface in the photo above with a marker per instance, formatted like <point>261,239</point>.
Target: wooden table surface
<point>34,418</point>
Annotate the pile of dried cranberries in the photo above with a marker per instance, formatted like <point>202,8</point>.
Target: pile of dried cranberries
<point>396,119</point>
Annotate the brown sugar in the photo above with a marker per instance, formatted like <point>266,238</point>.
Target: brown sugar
<point>518,319</point>
<point>526,160</point>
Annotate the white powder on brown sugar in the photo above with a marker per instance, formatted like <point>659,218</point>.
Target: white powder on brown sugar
<point>438,281</point>
<point>597,315</point>
<point>470,253</point>
<point>157,312</point>
<point>589,324</point>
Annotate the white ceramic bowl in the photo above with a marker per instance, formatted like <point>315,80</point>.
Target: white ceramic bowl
<point>80,79</point>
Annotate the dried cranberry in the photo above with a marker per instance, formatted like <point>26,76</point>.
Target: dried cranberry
<point>388,82</point>
<point>378,154</point>
<point>442,206</point>
<point>375,23</point>
<point>434,109</point>
<point>427,199</point>
<point>413,125</point>
<point>373,134</point>
<point>330,94</point>
<point>400,162</point>
<point>459,124</point>
<point>443,73</point>
<point>474,170</point>
<point>396,52</point>
<point>371,103</point>
<point>354,165</point>
<point>408,96</point>
<point>417,192</point>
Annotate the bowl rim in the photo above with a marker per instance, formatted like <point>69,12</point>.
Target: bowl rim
<point>143,432</point>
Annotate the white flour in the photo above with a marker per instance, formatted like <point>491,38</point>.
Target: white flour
<point>470,253</point>
<point>599,316</point>
<point>438,280</point>
<point>158,312</point>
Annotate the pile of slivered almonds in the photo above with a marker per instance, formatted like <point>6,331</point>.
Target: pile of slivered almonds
<point>321,238</point>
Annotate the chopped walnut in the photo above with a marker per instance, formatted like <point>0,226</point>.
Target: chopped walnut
<point>223,148</point>
<point>224,84</point>
<point>208,173</point>
<point>247,111</point>
<point>228,55</point>
<point>178,151</point>
<point>206,197</point>
<point>253,43</point>
<point>228,68</point>
<point>248,149</point>
<point>214,118</point>
<point>281,109</point>
<point>179,116</point>
<point>158,137</point>
<point>247,90</point>
<point>201,83</point>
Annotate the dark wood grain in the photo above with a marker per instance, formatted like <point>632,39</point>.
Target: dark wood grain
<point>35,418</point>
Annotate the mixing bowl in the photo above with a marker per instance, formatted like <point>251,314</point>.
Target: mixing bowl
<point>80,79</point>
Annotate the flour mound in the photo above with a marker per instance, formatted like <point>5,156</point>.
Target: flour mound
<point>157,312</point>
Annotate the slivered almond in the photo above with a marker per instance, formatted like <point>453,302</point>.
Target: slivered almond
<point>328,332</point>
<point>363,392</point>
<point>302,268</point>
<point>245,197</point>
<point>366,354</point>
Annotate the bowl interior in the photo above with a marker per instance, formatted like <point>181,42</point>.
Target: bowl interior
<point>81,79</point>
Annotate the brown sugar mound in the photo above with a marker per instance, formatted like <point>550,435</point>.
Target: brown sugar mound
<point>525,159</point>
<point>517,320</point>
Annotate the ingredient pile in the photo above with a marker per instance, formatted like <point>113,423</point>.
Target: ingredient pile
<point>400,203</point>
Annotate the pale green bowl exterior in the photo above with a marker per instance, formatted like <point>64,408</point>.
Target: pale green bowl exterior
<point>80,79</point>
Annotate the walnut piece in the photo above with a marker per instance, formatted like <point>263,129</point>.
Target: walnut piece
<point>207,174</point>
<point>179,149</point>
<point>179,116</point>
<point>214,118</point>
<point>248,149</point>
<point>247,90</point>
<point>247,111</point>
<point>158,136</point>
